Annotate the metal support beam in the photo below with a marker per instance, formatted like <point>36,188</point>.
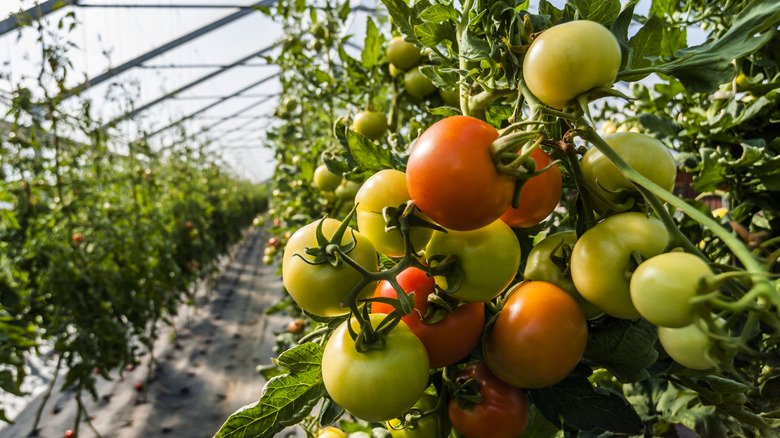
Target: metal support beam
<point>136,111</point>
<point>211,105</point>
<point>164,48</point>
<point>166,6</point>
<point>241,111</point>
<point>17,20</point>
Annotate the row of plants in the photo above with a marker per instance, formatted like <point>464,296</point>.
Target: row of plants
<point>513,258</point>
<point>101,241</point>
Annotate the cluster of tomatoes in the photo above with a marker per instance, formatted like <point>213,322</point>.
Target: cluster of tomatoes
<point>447,222</point>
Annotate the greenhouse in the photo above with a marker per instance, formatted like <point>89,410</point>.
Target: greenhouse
<point>390,219</point>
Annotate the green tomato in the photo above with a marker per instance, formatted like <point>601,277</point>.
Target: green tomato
<point>601,259</point>
<point>370,124</point>
<point>643,153</point>
<point>347,190</point>
<point>401,54</point>
<point>570,59</point>
<point>417,84</point>
<point>326,180</point>
<point>451,97</point>
<point>387,188</point>
<point>426,427</point>
<point>488,257</point>
<point>320,289</point>
<point>540,266</point>
<point>688,346</point>
<point>380,384</point>
<point>662,286</point>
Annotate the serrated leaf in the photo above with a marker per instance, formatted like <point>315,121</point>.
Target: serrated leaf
<point>285,400</point>
<point>431,34</point>
<point>624,347</point>
<point>539,427</point>
<point>620,28</point>
<point>372,47</point>
<point>474,49</point>
<point>440,13</point>
<point>369,155</point>
<point>444,111</point>
<point>576,403</point>
<point>402,18</point>
<point>661,125</point>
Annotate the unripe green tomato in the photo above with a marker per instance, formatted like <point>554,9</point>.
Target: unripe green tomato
<point>645,154</point>
<point>370,124</point>
<point>326,180</point>
<point>662,286</point>
<point>427,427</point>
<point>688,346</point>
<point>347,190</point>
<point>268,260</point>
<point>540,266</point>
<point>570,59</point>
<point>601,259</point>
<point>296,160</point>
<point>417,84</point>
<point>451,97</point>
<point>402,54</point>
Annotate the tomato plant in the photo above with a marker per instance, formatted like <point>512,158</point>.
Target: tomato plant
<point>452,178</point>
<point>487,260</point>
<point>548,261</point>
<point>602,257</point>
<point>539,196</point>
<point>401,54</point>
<point>331,432</point>
<point>321,288</point>
<point>585,47</point>
<point>662,286</point>
<point>502,413</point>
<point>645,154</point>
<point>371,124</point>
<point>448,337</point>
<point>378,371</point>
<point>387,188</point>
<point>539,336</point>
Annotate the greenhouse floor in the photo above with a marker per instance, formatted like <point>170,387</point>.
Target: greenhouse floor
<point>206,366</point>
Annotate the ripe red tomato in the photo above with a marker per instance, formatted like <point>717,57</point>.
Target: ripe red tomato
<point>70,433</point>
<point>295,326</point>
<point>503,412</point>
<point>139,386</point>
<point>539,337</point>
<point>452,178</point>
<point>446,341</point>
<point>540,194</point>
<point>78,238</point>
<point>274,242</point>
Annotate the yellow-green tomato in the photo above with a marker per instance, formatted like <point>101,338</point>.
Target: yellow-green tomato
<point>371,124</point>
<point>688,346</point>
<point>426,427</point>
<point>401,54</point>
<point>417,84</point>
<point>489,258</point>
<point>347,190</point>
<point>379,384</point>
<point>387,188</point>
<point>326,180</point>
<point>451,97</point>
<point>601,259</point>
<point>320,289</point>
<point>331,432</point>
<point>662,286</point>
<point>645,154</point>
<point>570,59</point>
<point>541,266</point>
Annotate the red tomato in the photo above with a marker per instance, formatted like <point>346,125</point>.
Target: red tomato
<point>452,178</point>
<point>540,194</point>
<point>446,341</point>
<point>503,412</point>
<point>538,338</point>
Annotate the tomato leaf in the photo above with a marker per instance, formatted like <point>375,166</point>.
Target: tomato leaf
<point>576,403</point>
<point>644,46</point>
<point>402,18</point>
<point>440,13</point>
<point>600,11</point>
<point>624,347</point>
<point>369,155</point>
<point>372,46</point>
<point>538,426</point>
<point>285,400</point>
